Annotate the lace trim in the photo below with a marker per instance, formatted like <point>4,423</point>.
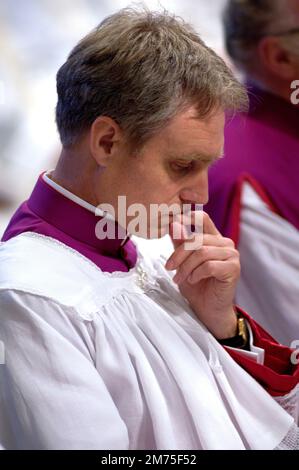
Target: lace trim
<point>290,403</point>
<point>53,241</point>
<point>291,440</point>
<point>138,276</point>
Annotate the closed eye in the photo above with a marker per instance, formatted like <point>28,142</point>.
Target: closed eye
<point>182,166</point>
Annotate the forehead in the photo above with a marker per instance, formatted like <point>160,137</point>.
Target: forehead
<point>186,134</point>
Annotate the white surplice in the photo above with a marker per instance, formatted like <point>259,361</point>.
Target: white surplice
<point>95,360</point>
<point>269,283</point>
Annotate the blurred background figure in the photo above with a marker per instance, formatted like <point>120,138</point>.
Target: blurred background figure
<point>35,38</point>
<point>254,189</point>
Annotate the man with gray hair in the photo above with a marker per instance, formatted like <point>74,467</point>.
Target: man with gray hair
<point>104,347</point>
<point>254,189</point>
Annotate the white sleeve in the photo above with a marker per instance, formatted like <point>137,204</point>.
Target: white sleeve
<point>255,353</point>
<point>51,395</point>
<point>269,251</point>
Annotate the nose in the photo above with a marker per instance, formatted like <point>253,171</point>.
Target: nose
<point>197,191</point>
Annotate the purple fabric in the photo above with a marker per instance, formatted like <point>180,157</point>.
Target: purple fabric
<point>48,212</point>
<point>265,145</point>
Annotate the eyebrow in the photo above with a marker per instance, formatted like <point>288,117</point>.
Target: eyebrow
<point>197,156</point>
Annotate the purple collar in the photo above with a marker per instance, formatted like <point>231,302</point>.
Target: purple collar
<point>70,218</point>
<point>49,212</point>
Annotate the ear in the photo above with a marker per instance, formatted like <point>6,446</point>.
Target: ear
<point>104,139</point>
<point>275,58</point>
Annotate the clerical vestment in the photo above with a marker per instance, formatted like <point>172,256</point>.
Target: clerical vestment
<point>253,200</point>
<point>116,359</point>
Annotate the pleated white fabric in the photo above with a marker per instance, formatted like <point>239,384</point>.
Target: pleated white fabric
<point>116,361</point>
<point>269,251</point>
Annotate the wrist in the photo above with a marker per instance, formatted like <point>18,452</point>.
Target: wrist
<point>226,327</point>
<point>241,339</point>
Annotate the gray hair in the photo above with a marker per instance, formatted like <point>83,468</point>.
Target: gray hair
<point>141,68</point>
<point>247,21</point>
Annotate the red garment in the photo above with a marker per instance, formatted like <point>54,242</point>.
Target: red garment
<point>277,375</point>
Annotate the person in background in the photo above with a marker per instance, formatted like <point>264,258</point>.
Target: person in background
<point>254,189</point>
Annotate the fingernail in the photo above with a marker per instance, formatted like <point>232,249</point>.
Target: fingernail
<point>169,265</point>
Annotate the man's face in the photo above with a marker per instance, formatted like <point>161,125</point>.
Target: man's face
<point>293,39</point>
<point>294,8</point>
<point>295,5</point>
<point>172,167</point>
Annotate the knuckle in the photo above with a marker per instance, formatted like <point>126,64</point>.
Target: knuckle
<point>210,266</point>
<point>233,253</point>
<point>236,268</point>
<point>204,252</point>
<point>229,242</point>
<point>183,271</point>
<point>206,238</point>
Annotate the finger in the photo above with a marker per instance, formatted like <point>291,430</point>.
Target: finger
<point>209,226</point>
<point>215,240</point>
<point>185,226</point>
<point>193,222</point>
<point>199,257</point>
<point>190,229</point>
<point>224,271</point>
<point>181,254</point>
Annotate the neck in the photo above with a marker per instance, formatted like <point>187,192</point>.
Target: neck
<point>283,92</point>
<point>74,172</point>
<point>277,88</point>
